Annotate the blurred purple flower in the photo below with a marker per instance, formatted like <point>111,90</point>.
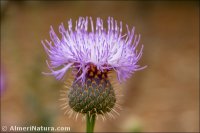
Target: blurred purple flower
<point>2,80</point>
<point>106,49</point>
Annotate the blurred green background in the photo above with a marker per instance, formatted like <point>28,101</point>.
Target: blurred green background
<point>162,98</point>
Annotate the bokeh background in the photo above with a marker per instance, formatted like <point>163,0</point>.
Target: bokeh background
<point>162,98</point>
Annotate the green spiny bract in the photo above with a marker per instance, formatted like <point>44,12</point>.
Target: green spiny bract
<point>95,96</point>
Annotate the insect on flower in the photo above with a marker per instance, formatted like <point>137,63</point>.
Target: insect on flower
<point>93,51</point>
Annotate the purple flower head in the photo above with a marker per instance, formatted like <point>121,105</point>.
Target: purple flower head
<point>85,46</point>
<point>2,76</point>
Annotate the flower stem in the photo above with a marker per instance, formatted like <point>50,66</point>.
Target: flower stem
<point>90,123</point>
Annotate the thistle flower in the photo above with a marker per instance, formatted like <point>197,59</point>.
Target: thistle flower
<point>92,52</point>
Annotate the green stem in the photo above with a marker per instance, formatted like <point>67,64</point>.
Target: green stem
<point>90,123</point>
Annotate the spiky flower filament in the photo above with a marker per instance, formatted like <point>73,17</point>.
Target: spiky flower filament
<point>95,96</point>
<point>106,48</point>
